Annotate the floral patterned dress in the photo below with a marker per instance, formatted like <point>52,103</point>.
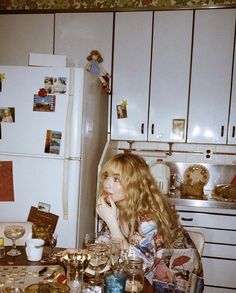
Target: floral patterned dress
<point>177,269</point>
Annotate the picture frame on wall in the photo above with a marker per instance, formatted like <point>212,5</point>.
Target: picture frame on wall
<point>178,129</point>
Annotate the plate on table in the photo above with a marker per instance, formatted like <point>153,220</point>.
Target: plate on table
<point>196,173</point>
<point>48,287</point>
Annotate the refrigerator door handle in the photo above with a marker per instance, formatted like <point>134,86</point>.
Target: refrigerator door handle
<point>65,189</point>
<point>68,126</point>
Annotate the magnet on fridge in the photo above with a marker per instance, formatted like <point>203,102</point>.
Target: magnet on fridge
<point>53,142</point>
<point>2,77</point>
<point>6,181</point>
<point>44,104</point>
<point>7,115</point>
<point>55,84</point>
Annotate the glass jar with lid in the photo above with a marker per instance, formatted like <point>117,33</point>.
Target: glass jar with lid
<point>134,274</point>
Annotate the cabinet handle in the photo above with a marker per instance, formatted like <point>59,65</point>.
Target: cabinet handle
<point>142,128</point>
<point>187,219</point>
<point>152,130</point>
<point>222,131</point>
<point>233,131</point>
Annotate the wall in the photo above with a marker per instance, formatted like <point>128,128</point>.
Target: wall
<point>181,152</point>
<point>70,34</point>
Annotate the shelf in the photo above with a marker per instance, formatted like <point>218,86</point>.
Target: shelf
<point>210,203</point>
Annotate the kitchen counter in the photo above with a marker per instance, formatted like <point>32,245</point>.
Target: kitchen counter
<point>210,203</point>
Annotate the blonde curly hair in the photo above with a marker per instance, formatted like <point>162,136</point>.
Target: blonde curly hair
<point>142,195</point>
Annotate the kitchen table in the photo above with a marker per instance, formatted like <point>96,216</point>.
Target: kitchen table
<point>13,263</point>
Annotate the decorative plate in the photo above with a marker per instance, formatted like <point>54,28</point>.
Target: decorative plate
<point>48,287</point>
<point>196,174</point>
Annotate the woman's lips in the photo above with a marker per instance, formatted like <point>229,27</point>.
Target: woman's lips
<point>106,194</point>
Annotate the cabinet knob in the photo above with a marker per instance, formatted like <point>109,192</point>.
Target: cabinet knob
<point>233,131</point>
<point>222,131</point>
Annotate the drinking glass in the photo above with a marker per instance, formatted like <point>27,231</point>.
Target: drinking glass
<point>14,232</point>
<point>76,263</point>
<point>52,243</point>
<point>116,248</point>
<point>99,255</point>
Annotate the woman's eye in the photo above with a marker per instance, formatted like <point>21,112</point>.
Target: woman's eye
<point>116,179</point>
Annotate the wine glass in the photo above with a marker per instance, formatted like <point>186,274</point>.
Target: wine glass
<point>76,263</point>
<point>14,232</point>
<point>52,242</point>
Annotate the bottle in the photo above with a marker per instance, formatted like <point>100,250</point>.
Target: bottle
<point>134,275</point>
<point>115,281</point>
<point>2,248</point>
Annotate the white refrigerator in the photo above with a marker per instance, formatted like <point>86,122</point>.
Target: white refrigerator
<point>54,139</point>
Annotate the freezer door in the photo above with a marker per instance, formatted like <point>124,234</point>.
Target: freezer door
<point>34,115</point>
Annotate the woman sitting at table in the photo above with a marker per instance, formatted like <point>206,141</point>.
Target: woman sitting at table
<point>133,208</point>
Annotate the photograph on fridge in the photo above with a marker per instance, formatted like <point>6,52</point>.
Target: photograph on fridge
<point>55,84</point>
<point>45,207</point>
<point>53,142</point>
<point>7,115</point>
<point>44,104</point>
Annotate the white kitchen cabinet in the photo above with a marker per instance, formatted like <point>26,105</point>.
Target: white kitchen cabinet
<point>232,114</point>
<point>21,34</point>
<point>172,35</point>
<point>76,34</point>
<point>131,74</point>
<point>219,254</point>
<point>170,75</point>
<point>211,75</point>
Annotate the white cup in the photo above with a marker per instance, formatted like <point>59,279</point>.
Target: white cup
<point>34,249</point>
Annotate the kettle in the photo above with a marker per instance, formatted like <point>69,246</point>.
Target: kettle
<point>161,173</point>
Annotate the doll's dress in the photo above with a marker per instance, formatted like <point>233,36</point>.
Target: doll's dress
<point>95,68</point>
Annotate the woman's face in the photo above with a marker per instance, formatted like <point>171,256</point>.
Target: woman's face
<point>112,187</point>
<point>6,112</point>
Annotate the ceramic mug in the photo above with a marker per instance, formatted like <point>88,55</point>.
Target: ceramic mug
<point>34,249</point>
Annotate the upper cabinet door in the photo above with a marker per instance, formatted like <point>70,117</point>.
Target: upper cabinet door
<point>21,34</point>
<point>232,114</point>
<point>76,34</point>
<point>232,121</point>
<point>131,75</point>
<point>211,75</point>
<point>170,75</point>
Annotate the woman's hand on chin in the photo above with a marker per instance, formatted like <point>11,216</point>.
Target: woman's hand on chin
<point>106,209</point>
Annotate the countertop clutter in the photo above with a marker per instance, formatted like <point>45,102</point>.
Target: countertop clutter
<point>202,185</point>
